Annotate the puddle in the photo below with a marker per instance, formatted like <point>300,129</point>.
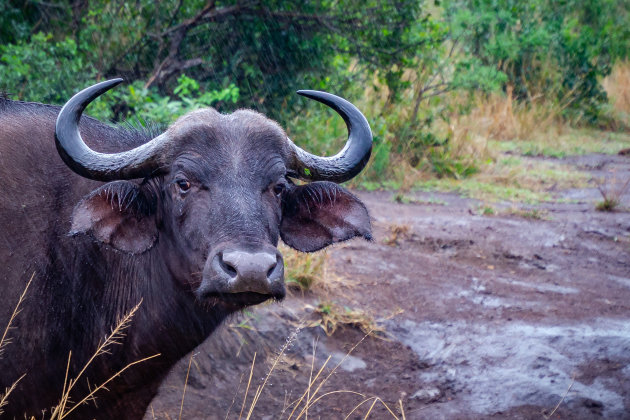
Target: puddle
<point>540,287</point>
<point>493,368</point>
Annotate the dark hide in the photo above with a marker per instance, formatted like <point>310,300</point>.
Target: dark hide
<point>96,250</point>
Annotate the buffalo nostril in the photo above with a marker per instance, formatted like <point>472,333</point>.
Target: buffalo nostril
<point>271,269</point>
<point>227,267</point>
<point>257,272</point>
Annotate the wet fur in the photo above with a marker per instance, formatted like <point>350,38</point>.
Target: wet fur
<point>83,284</point>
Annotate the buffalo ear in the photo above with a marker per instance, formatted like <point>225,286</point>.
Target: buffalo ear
<point>322,213</point>
<point>118,214</point>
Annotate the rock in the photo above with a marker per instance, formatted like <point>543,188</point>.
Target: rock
<point>429,394</point>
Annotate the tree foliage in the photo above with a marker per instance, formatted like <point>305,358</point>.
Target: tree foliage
<point>179,55</point>
<point>562,48</point>
<point>265,48</point>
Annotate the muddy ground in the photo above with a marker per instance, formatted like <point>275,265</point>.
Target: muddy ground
<point>498,316</point>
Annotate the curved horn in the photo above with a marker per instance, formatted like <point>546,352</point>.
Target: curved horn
<point>135,163</point>
<point>351,159</point>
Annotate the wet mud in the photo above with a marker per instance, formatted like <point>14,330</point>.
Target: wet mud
<point>486,317</point>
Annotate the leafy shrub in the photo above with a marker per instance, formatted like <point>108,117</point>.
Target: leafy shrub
<point>43,69</point>
<point>147,104</point>
<point>558,49</point>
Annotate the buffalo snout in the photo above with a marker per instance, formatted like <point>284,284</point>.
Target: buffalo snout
<point>232,271</point>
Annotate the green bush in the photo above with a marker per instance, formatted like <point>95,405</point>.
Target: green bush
<point>180,56</point>
<point>556,49</point>
<point>43,69</point>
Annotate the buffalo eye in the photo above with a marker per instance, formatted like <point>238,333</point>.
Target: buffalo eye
<point>279,187</point>
<point>183,184</point>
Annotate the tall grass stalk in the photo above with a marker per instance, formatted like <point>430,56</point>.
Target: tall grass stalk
<point>238,388</point>
<point>249,382</point>
<point>5,335</point>
<point>311,394</point>
<point>62,410</point>
<point>4,398</point>
<point>181,406</point>
<point>402,410</point>
<point>260,388</point>
<point>309,402</point>
<point>310,378</point>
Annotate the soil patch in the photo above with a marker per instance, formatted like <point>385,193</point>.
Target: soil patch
<point>496,316</point>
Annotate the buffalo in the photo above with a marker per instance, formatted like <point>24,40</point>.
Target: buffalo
<point>185,222</point>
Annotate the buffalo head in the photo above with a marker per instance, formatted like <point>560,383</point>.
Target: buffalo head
<point>212,195</point>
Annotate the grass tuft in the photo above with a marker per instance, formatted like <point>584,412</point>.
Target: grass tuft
<point>607,205</point>
<point>397,234</point>
<point>331,317</point>
<point>303,271</point>
<point>533,214</point>
<point>612,190</point>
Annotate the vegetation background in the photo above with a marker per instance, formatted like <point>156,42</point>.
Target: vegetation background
<point>459,93</point>
<point>449,86</point>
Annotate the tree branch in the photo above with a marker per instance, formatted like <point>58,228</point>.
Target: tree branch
<point>173,63</point>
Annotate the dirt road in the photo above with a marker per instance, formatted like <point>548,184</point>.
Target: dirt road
<point>506,316</point>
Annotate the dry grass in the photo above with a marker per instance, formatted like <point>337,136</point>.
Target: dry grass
<point>4,398</point>
<point>514,179</point>
<point>533,175</point>
<point>536,127</point>
<point>571,141</point>
<point>65,406</point>
<point>499,117</point>
<point>612,190</point>
<point>260,388</point>
<point>303,271</point>
<point>5,340</point>
<point>499,127</point>
<point>617,86</point>
<point>299,408</point>
<point>331,316</point>
<point>397,234</point>
<point>181,405</point>
<point>533,214</point>
<point>310,272</point>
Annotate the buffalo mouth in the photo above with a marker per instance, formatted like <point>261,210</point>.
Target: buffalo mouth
<point>239,300</point>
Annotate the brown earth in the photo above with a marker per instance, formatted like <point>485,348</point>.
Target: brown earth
<point>501,317</point>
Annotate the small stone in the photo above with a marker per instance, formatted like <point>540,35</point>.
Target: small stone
<point>427,394</point>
